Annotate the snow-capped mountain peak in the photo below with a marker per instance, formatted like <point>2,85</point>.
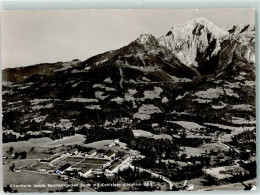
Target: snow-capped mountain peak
<point>202,23</point>
<point>241,28</point>
<point>192,38</point>
<point>144,38</point>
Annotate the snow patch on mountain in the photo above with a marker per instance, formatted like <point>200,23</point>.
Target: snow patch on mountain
<point>192,38</point>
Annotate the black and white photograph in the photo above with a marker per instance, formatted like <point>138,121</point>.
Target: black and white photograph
<point>128,100</point>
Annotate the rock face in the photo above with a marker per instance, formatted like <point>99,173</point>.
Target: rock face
<point>202,44</point>
<point>193,41</point>
<point>239,28</point>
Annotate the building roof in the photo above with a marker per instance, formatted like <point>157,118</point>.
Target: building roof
<point>86,169</point>
<point>83,169</point>
<point>114,165</point>
<point>126,156</point>
<point>92,151</point>
<point>118,163</point>
<point>74,150</point>
<point>110,153</point>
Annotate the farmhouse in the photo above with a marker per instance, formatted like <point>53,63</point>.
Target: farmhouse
<point>92,153</point>
<point>74,151</point>
<point>110,154</point>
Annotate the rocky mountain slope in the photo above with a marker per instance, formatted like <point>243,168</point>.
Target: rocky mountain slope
<point>196,73</point>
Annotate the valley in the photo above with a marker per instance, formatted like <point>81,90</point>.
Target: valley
<point>174,113</point>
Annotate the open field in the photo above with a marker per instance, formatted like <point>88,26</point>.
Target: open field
<point>104,144</point>
<point>41,144</point>
<point>38,166</point>
<point>18,163</point>
<point>234,130</point>
<point>223,172</point>
<point>191,151</point>
<point>44,142</point>
<point>229,187</point>
<point>26,177</point>
<point>142,133</point>
<point>213,146</point>
<point>71,140</point>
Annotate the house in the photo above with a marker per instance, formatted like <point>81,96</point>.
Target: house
<point>117,165</point>
<point>110,154</point>
<point>74,151</point>
<point>64,167</point>
<point>85,172</point>
<point>149,183</point>
<point>64,177</point>
<point>33,133</point>
<point>155,125</point>
<point>186,187</point>
<point>47,133</point>
<point>106,165</point>
<point>71,172</point>
<point>114,143</point>
<point>44,161</point>
<point>56,159</point>
<point>112,168</point>
<point>92,153</point>
<point>42,170</point>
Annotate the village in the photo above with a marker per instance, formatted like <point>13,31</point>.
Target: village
<point>113,160</point>
<point>73,162</point>
<point>83,162</point>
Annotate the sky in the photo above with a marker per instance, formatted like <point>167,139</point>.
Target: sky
<point>49,36</point>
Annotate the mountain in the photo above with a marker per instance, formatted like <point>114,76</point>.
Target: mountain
<point>240,28</point>
<point>197,73</point>
<point>200,43</point>
<point>190,40</point>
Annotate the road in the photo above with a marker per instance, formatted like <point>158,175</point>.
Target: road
<point>156,175</point>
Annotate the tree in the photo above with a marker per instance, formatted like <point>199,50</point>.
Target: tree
<point>8,188</point>
<point>32,149</point>
<point>16,155</point>
<point>11,149</point>
<point>23,154</point>
<point>183,135</point>
<point>12,168</point>
<point>75,189</point>
<point>183,157</point>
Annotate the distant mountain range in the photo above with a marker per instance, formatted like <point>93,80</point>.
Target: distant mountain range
<point>196,72</point>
